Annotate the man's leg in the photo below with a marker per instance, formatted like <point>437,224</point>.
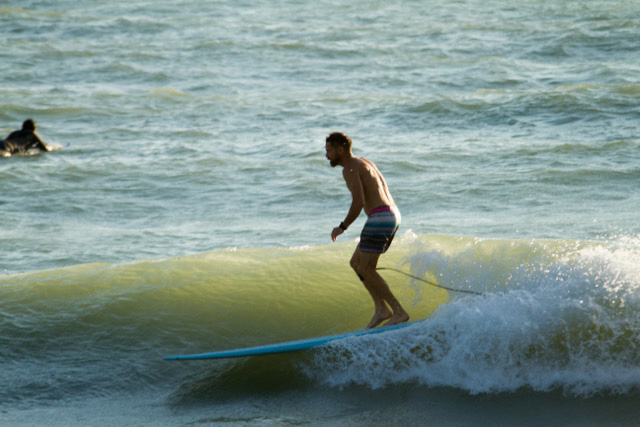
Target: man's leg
<point>381,313</point>
<point>365,264</point>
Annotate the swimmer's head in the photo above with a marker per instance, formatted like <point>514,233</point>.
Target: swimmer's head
<point>29,124</point>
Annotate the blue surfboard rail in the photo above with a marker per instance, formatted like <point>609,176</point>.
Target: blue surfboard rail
<point>285,347</point>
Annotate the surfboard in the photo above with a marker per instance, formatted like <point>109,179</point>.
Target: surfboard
<point>286,347</point>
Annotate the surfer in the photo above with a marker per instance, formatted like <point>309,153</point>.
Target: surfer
<point>369,191</point>
<point>20,141</point>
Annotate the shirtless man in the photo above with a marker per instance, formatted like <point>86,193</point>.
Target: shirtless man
<point>369,191</point>
<point>22,140</point>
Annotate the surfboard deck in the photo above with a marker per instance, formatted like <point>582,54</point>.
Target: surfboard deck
<point>286,347</point>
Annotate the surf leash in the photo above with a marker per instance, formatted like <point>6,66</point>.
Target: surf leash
<point>429,282</point>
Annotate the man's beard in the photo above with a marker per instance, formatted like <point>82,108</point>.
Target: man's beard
<point>334,163</point>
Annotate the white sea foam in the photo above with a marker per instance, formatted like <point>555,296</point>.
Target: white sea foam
<point>571,325</point>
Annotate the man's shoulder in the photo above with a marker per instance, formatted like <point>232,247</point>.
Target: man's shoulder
<point>356,163</point>
<point>20,135</point>
<point>366,165</point>
<point>14,134</point>
<point>362,162</point>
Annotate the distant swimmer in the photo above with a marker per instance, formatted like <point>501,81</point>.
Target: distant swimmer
<point>369,191</point>
<point>21,141</point>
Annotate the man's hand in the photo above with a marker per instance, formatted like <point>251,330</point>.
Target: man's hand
<point>336,232</point>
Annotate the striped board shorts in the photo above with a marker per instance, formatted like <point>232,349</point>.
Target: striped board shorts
<point>378,231</point>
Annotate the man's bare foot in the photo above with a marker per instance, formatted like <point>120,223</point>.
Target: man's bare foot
<point>400,317</point>
<point>378,318</point>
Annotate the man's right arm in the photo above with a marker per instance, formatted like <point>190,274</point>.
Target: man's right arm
<point>40,143</point>
<point>354,184</point>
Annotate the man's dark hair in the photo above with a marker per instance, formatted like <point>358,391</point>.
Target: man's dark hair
<point>339,139</point>
<point>29,124</point>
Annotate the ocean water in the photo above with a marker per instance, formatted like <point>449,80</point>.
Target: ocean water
<point>190,206</point>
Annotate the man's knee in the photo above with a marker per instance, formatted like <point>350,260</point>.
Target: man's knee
<point>366,271</point>
<point>355,265</point>
<point>363,265</point>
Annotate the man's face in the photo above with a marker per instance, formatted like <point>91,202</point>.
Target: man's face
<point>332,155</point>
